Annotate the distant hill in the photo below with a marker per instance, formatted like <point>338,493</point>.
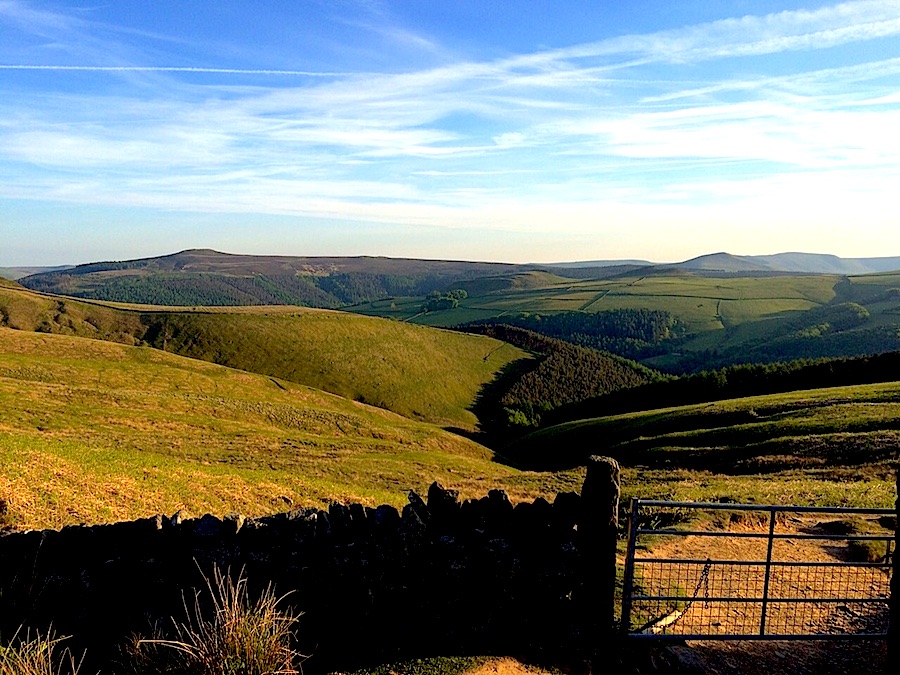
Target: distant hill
<point>801,263</point>
<point>724,262</point>
<point>15,273</point>
<point>208,278</point>
<point>598,263</point>
<point>203,277</point>
<point>516,281</point>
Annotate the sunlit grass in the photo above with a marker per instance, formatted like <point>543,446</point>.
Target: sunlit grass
<point>416,371</point>
<point>95,431</point>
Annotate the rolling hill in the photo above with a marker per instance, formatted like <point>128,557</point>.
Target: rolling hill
<point>712,321</point>
<point>205,277</point>
<point>94,431</point>
<point>834,445</point>
<point>721,318</point>
<point>416,371</point>
<point>797,263</point>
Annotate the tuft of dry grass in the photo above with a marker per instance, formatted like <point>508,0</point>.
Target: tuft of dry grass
<point>234,636</point>
<point>38,655</point>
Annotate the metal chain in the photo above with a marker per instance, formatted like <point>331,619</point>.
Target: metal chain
<point>703,583</point>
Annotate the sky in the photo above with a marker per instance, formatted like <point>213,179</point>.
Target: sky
<point>528,131</point>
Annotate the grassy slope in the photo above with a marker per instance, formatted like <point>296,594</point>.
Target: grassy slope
<point>94,431</point>
<point>413,370</point>
<point>416,371</point>
<point>822,446</point>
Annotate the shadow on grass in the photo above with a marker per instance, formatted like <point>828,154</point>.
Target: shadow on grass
<point>493,429</point>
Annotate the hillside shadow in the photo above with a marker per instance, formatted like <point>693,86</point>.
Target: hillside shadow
<point>492,430</point>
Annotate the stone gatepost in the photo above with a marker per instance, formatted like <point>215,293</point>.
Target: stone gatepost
<point>598,535</point>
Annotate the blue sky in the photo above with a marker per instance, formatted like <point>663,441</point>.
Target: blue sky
<point>527,131</point>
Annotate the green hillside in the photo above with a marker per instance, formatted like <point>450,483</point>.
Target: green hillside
<point>734,382</point>
<point>747,313</point>
<point>837,445</point>
<point>416,371</point>
<point>700,303</point>
<point>94,431</point>
<point>562,374</point>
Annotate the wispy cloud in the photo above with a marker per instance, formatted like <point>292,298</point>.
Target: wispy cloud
<point>175,69</point>
<point>614,128</point>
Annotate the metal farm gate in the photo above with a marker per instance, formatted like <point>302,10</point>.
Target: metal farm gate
<point>746,572</point>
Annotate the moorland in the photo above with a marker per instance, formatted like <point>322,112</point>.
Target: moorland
<point>212,382</point>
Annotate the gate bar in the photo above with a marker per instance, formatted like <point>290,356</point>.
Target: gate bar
<point>628,581</point>
<point>765,604</point>
<point>774,535</point>
<point>725,506</point>
<point>760,563</point>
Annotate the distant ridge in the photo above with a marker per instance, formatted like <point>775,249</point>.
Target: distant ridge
<point>203,277</point>
<point>207,277</point>
<point>15,273</point>
<point>597,263</point>
<point>805,263</point>
<point>725,262</point>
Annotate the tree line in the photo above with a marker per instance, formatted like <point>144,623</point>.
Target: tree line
<point>754,379</point>
<point>562,373</point>
<point>632,333</point>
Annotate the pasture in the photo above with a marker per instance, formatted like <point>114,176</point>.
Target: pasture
<point>94,431</point>
<point>416,371</point>
<point>836,446</point>
<point>702,303</point>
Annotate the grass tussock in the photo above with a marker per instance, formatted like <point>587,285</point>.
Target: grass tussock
<point>224,634</point>
<point>38,655</point>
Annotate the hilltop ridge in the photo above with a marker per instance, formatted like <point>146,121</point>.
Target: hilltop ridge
<point>207,277</point>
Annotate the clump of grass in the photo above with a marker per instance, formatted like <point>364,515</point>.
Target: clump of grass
<point>235,637</point>
<point>39,655</point>
<point>866,550</point>
<point>845,526</point>
<point>859,550</point>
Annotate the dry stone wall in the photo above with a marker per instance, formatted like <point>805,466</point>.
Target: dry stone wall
<point>374,584</point>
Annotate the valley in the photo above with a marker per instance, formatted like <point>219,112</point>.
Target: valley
<point>119,409</point>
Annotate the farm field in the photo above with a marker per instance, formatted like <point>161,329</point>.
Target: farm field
<point>94,431</point>
<point>721,320</point>
<point>702,303</point>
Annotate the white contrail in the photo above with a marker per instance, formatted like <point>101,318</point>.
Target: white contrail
<point>179,69</point>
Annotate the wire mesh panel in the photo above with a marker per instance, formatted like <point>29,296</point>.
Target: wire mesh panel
<point>756,572</point>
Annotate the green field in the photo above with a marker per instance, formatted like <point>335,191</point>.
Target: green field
<point>419,372</point>
<point>703,303</point>
<point>834,446</point>
<point>93,431</point>
<point>725,320</point>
